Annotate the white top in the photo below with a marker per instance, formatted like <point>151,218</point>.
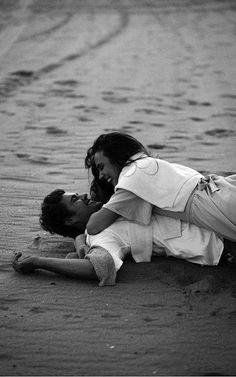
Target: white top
<point>159,182</point>
<point>150,185</point>
<point>194,244</point>
<point>114,239</point>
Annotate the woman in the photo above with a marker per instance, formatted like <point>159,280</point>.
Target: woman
<point>144,185</point>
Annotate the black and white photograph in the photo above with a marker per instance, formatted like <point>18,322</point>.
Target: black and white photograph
<point>118,188</point>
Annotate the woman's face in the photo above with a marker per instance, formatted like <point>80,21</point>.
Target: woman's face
<point>107,170</point>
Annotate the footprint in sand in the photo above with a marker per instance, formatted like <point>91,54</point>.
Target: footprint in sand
<point>23,155</point>
<point>68,316</point>
<point>64,88</point>
<point>40,104</point>
<point>124,129</point>
<point>148,319</point>
<point>111,129</point>
<point>153,305</point>
<point>5,112</point>
<point>183,79</point>
<point>228,113</point>
<point>23,74</point>
<point>52,130</point>
<point>208,143</point>
<point>36,310</point>
<point>80,107</point>
<point>197,103</point>
<point>84,119</point>
<point>197,119</point>
<point>66,93</point>
<point>197,159</point>
<point>125,88</point>
<point>174,95</point>
<point>4,308</point>
<point>72,83</point>
<point>232,96</point>
<point>135,122</point>
<point>179,137</point>
<point>221,132</point>
<point>7,300</point>
<point>33,159</point>
<point>157,124</point>
<point>14,80</point>
<point>156,146</point>
<point>149,111</point>
<point>163,146</point>
<point>30,127</point>
<point>174,107</point>
<point>89,109</point>
<point>128,128</point>
<point>110,315</point>
<point>115,100</point>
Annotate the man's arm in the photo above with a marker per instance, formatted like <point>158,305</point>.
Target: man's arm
<point>75,268</point>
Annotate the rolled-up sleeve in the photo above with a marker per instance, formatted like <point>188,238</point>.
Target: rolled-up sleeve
<point>130,206</point>
<point>103,265</point>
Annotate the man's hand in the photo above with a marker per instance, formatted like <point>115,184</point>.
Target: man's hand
<point>25,265</point>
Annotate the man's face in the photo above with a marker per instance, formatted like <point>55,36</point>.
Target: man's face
<point>107,170</point>
<point>80,207</point>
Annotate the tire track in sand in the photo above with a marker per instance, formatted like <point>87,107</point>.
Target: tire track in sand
<point>11,32</point>
<point>24,78</point>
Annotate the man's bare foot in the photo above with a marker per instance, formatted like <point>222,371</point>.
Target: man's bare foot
<point>229,253</point>
<point>25,265</point>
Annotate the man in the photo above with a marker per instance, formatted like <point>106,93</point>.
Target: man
<point>101,256</point>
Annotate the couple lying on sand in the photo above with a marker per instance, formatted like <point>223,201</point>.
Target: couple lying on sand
<point>139,206</point>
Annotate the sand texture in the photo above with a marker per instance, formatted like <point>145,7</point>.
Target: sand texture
<point>163,71</point>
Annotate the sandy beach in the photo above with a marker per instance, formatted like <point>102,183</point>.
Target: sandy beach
<point>164,72</point>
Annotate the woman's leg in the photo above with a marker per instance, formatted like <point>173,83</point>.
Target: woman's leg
<point>213,206</point>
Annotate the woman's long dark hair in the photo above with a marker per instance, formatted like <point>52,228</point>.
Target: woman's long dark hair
<point>119,148</point>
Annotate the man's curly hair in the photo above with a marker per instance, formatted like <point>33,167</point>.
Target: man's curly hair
<point>53,215</point>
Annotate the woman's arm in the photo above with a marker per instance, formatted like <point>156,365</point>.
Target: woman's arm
<point>122,204</point>
<point>76,268</point>
<point>101,220</point>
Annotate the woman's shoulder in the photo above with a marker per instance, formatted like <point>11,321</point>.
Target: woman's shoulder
<point>145,164</point>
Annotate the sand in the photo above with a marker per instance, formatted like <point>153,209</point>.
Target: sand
<point>163,71</point>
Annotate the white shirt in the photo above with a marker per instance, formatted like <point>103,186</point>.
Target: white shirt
<point>115,239</point>
<point>197,245</point>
